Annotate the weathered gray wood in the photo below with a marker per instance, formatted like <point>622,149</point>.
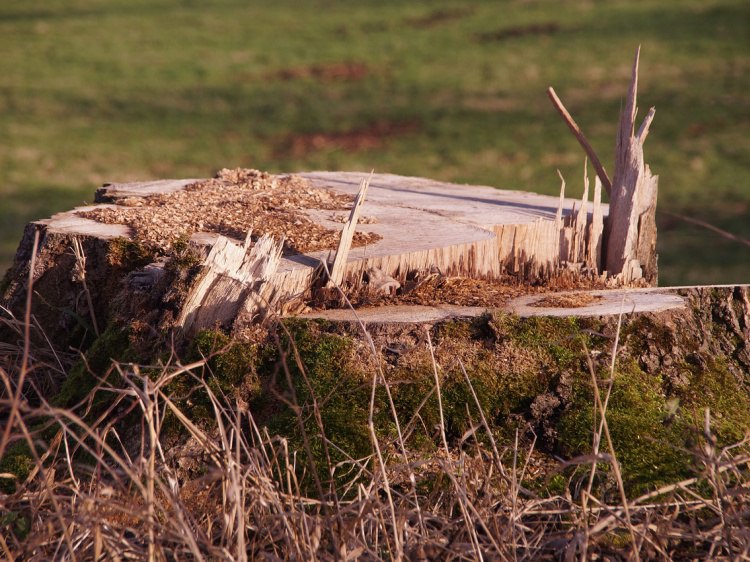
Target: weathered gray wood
<point>631,234</point>
<point>473,231</point>
<point>598,303</point>
<point>111,192</point>
<point>398,314</point>
<point>602,303</point>
<point>73,224</point>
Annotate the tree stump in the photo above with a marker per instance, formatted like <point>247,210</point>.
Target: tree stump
<point>411,227</point>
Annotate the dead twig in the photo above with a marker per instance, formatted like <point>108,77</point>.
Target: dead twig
<point>576,130</point>
<point>713,228</point>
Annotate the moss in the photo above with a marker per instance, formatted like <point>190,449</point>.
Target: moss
<point>112,344</point>
<point>560,337</point>
<point>231,375</point>
<point>718,390</point>
<point>620,541</point>
<point>701,379</point>
<point>555,486</point>
<point>650,451</point>
<point>332,373</point>
<point>17,522</point>
<point>232,363</point>
<point>413,382</point>
<point>128,254</point>
<point>183,256</point>
<point>505,376</point>
<point>17,461</point>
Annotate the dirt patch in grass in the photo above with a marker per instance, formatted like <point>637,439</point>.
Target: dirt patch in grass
<point>346,71</point>
<point>439,17</point>
<point>233,203</point>
<point>548,28</point>
<point>368,137</point>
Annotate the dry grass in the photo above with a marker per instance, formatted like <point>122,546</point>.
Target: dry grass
<point>112,486</point>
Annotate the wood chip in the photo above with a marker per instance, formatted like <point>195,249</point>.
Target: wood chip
<point>232,204</point>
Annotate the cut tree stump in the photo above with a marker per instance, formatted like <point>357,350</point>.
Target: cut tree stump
<point>400,231</point>
<point>424,225</point>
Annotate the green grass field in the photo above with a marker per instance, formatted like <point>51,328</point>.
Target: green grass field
<point>116,90</point>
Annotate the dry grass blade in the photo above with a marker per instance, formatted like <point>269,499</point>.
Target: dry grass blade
<point>16,397</point>
<point>79,275</point>
<point>98,487</point>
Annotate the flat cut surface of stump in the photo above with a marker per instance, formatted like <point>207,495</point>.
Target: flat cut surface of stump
<point>408,229</point>
<point>407,223</point>
<point>411,214</point>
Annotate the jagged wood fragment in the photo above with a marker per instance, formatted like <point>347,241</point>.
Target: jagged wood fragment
<point>347,234</point>
<point>231,273</point>
<point>596,228</point>
<point>576,130</point>
<point>631,233</point>
<point>579,223</point>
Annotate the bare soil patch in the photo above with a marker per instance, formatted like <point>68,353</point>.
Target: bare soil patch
<point>340,71</point>
<point>369,137</point>
<point>232,204</point>
<point>515,32</point>
<point>439,17</point>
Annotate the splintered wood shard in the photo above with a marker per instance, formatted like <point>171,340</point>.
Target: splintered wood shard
<point>581,220</point>
<point>231,272</point>
<point>576,130</point>
<point>347,235</point>
<point>596,228</point>
<point>628,248</point>
<point>631,231</point>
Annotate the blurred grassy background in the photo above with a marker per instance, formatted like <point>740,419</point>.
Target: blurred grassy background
<point>117,90</point>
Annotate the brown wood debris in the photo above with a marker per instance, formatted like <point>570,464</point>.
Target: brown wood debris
<point>232,204</point>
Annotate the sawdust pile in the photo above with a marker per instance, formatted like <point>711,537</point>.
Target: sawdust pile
<point>436,288</point>
<point>574,300</point>
<point>439,289</point>
<point>233,203</point>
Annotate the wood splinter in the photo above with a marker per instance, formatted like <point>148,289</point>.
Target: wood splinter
<point>630,251</point>
<point>576,130</point>
<point>338,267</point>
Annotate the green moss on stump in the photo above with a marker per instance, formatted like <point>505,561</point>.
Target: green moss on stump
<point>649,449</point>
<point>112,345</point>
<point>510,361</point>
<point>17,461</point>
<point>722,393</point>
<point>232,363</point>
<point>128,254</point>
<point>230,374</point>
<point>333,374</point>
